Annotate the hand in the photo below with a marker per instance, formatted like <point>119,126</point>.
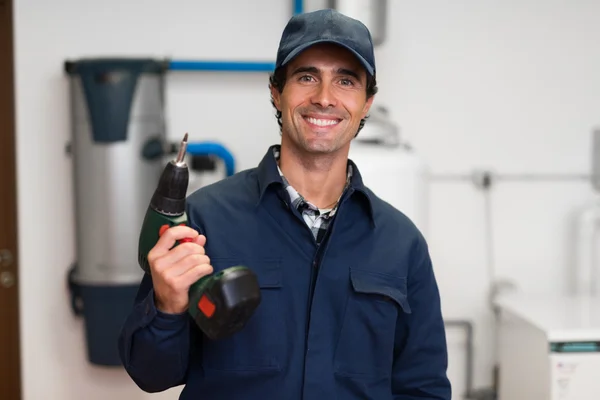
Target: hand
<point>175,269</point>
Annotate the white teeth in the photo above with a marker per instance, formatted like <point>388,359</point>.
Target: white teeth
<point>322,122</point>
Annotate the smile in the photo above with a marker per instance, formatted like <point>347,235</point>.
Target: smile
<point>322,121</point>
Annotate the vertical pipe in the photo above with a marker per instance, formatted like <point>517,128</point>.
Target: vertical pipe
<point>596,159</point>
<point>586,254</point>
<point>470,358</point>
<point>298,6</point>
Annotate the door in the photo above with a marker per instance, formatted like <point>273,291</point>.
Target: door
<point>10,374</point>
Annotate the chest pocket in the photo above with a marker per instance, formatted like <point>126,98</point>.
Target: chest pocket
<point>366,343</point>
<point>259,346</point>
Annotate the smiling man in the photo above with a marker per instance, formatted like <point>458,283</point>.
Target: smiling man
<point>350,305</point>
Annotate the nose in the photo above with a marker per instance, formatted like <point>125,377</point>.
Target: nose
<point>323,95</point>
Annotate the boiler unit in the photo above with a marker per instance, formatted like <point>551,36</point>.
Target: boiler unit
<point>390,168</point>
<point>119,149</point>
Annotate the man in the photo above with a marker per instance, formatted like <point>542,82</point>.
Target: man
<point>350,307</point>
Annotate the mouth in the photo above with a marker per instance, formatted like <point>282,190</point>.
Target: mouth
<point>321,122</point>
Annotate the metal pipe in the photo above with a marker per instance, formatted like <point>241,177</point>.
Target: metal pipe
<point>222,66</point>
<point>215,149</point>
<point>468,328</point>
<point>298,6</point>
<point>586,253</point>
<point>517,177</point>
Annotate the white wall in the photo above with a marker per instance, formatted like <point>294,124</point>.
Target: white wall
<point>512,85</point>
<point>509,85</point>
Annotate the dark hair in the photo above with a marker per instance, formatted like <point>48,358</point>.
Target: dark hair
<point>277,80</point>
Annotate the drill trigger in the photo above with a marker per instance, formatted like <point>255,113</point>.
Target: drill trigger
<point>162,229</point>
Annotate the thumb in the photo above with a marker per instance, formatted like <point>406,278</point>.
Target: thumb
<point>200,240</point>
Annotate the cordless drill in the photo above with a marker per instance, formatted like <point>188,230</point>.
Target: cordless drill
<point>220,303</point>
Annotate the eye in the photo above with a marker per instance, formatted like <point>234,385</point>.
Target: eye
<point>346,81</point>
<point>305,78</point>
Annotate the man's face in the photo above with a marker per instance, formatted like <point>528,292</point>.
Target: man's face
<point>323,100</point>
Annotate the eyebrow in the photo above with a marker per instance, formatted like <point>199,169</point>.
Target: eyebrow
<point>315,70</point>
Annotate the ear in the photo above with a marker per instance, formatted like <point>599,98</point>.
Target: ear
<point>367,106</point>
<point>276,96</point>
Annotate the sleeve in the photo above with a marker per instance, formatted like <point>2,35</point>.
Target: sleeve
<point>154,347</point>
<point>421,355</point>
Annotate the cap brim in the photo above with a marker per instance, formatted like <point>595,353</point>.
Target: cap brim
<point>303,47</point>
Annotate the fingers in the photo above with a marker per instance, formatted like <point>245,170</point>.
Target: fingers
<point>179,253</point>
<point>181,276</point>
<point>168,239</point>
<point>176,268</point>
<point>193,274</point>
<point>184,264</point>
<point>200,240</point>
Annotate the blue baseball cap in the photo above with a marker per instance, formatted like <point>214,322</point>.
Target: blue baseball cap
<point>326,26</point>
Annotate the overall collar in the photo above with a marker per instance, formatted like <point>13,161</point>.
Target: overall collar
<point>268,174</point>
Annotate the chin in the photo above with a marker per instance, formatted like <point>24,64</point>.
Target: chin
<point>321,146</point>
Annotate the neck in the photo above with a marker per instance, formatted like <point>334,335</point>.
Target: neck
<point>320,178</point>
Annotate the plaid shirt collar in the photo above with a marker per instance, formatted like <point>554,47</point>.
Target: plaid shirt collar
<point>267,174</point>
<point>299,202</point>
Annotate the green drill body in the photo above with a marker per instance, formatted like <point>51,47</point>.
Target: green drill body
<point>220,303</point>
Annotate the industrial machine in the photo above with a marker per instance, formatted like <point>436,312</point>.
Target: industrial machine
<point>549,347</point>
<point>391,168</point>
<point>118,148</point>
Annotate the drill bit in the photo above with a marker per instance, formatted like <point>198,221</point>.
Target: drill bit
<point>182,148</point>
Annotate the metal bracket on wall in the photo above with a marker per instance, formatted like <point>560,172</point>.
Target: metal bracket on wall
<point>230,66</point>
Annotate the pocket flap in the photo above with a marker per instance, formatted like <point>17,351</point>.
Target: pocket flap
<point>268,271</point>
<point>388,286</point>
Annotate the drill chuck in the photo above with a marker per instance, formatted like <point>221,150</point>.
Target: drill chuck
<point>169,196</point>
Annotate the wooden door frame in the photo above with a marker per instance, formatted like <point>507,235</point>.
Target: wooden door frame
<point>10,348</point>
